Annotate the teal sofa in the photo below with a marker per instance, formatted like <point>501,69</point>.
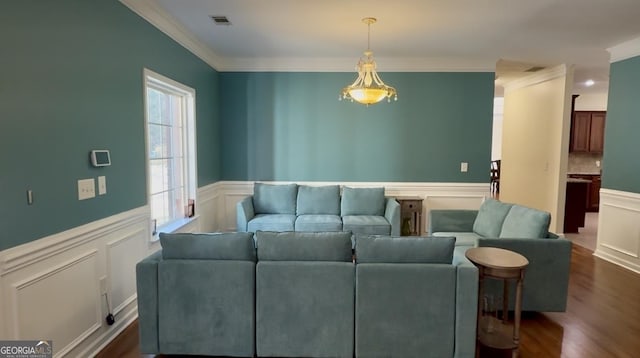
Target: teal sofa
<point>204,294</point>
<point>520,229</point>
<point>293,207</point>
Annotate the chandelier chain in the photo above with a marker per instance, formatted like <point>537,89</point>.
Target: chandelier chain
<point>368,36</point>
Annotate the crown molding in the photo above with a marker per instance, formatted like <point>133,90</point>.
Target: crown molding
<point>164,22</point>
<point>625,50</point>
<point>332,64</point>
<point>537,77</point>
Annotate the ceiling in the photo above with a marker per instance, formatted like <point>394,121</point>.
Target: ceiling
<point>410,35</point>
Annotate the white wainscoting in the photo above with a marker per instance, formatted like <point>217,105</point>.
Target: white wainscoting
<point>434,195</point>
<point>207,208</point>
<point>619,228</point>
<point>51,288</point>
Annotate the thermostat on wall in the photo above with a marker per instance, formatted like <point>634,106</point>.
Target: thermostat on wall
<point>100,158</point>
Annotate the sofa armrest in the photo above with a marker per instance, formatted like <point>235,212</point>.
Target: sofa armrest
<point>451,220</point>
<point>392,214</point>
<point>466,304</point>
<point>546,278</point>
<point>147,290</point>
<point>244,213</point>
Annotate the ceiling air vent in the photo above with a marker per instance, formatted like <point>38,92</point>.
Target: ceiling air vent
<point>534,69</point>
<point>220,20</point>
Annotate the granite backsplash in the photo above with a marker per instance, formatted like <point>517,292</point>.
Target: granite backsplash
<point>584,163</point>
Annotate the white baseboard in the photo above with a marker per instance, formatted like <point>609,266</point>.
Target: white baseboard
<point>619,228</point>
<point>100,342</point>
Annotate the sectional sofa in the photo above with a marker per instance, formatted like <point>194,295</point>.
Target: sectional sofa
<point>520,229</point>
<point>303,295</point>
<point>293,207</point>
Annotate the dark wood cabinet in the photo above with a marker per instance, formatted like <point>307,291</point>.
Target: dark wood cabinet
<point>596,133</point>
<point>574,207</point>
<point>592,199</point>
<point>587,131</point>
<point>580,128</point>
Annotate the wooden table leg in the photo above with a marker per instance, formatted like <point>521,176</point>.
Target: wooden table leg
<point>516,313</point>
<point>480,293</point>
<point>505,300</point>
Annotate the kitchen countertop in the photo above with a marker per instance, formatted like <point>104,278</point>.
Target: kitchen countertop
<point>583,173</point>
<point>577,180</point>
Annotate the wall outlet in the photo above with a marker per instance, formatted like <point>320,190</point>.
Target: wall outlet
<point>464,166</point>
<point>103,285</point>
<point>86,189</point>
<point>598,163</point>
<point>102,185</point>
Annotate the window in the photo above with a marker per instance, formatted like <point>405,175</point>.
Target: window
<point>171,155</point>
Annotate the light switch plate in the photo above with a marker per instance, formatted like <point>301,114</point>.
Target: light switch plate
<point>464,166</point>
<point>102,185</point>
<point>103,285</point>
<point>86,188</point>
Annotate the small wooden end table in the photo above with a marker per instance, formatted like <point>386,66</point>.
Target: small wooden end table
<point>410,215</point>
<point>504,265</point>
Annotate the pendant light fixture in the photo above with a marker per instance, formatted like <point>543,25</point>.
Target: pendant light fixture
<point>368,88</point>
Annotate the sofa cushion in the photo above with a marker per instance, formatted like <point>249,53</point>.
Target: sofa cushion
<point>490,217</point>
<point>366,224</point>
<point>318,200</point>
<point>271,222</point>
<point>362,201</point>
<point>407,310</point>
<point>204,308</point>
<point>275,199</point>
<point>304,246</point>
<point>387,249</point>
<point>462,238</point>
<point>220,246</point>
<point>304,309</point>
<point>525,223</point>
<point>318,223</point>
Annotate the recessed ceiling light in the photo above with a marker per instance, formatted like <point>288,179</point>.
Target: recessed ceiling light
<point>589,83</point>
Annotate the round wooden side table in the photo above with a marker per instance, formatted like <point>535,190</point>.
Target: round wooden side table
<point>504,265</point>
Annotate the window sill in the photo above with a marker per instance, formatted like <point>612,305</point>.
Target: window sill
<point>173,226</point>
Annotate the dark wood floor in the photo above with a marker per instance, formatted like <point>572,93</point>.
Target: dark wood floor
<point>602,318</point>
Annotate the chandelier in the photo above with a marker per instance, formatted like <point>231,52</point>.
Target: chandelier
<point>368,88</point>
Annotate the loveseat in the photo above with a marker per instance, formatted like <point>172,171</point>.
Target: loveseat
<point>520,229</point>
<point>293,207</point>
<point>204,294</point>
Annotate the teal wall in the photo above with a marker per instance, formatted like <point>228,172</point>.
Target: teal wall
<point>71,81</point>
<point>291,126</point>
<point>620,169</point>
